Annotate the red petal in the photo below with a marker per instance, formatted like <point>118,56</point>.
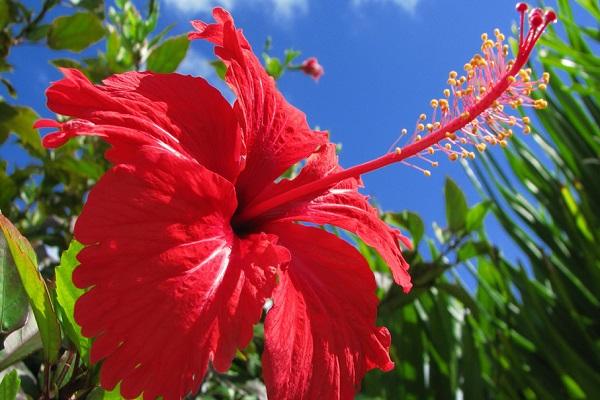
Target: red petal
<point>172,288</point>
<point>342,206</point>
<point>320,335</point>
<point>181,113</point>
<point>276,134</point>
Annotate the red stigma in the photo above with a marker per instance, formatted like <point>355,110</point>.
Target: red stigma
<point>535,18</point>
<point>551,17</point>
<point>522,7</point>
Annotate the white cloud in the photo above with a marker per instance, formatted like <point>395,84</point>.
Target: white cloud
<point>196,64</point>
<point>409,6</point>
<point>281,8</point>
<point>195,6</point>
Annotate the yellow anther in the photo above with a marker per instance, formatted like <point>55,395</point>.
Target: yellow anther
<point>453,157</point>
<point>458,93</point>
<point>453,74</point>
<point>404,131</point>
<point>500,136</point>
<point>484,37</point>
<point>444,103</point>
<point>526,92</point>
<point>447,92</point>
<point>426,172</point>
<point>464,154</point>
<point>526,120</point>
<point>435,164</point>
<point>542,86</point>
<point>429,127</point>
<point>472,155</point>
<point>437,125</point>
<point>463,140</point>
<point>500,107</point>
<point>418,137</point>
<point>482,89</point>
<point>398,150</point>
<point>540,104</point>
<point>481,147</point>
<point>462,80</point>
<point>503,143</point>
<point>526,129</point>
<point>512,121</point>
<point>500,38</point>
<point>496,32</point>
<point>420,127</point>
<point>524,75</point>
<point>468,67</point>
<point>546,77</point>
<point>508,133</point>
<point>448,146</point>
<point>422,117</point>
<point>511,79</point>
<point>488,44</point>
<point>430,150</point>
<point>450,135</point>
<point>505,50</point>
<point>451,81</point>
<point>465,115</point>
<point>434,103</point>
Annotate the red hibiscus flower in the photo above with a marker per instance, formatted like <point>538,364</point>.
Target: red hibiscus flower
<point>190,232</point>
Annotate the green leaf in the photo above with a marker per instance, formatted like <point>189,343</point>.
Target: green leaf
<point>167,56</point>
<point>75,32</point>
<point>273,66</point>
<point>66,295</point>
<point>476,215</point>
<point>456,206</point>
<point>19,120</point>
<point>13,299</point>
<point>10,386</point>
<point>65,63</point>
<point>220,68</point>
<point>290,55</point>
<point>35,287</point>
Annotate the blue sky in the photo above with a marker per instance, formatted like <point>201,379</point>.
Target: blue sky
<point>384,60</point>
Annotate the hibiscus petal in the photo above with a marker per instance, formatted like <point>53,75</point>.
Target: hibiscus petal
<point>182,113</point>
<point>320,335</point>
<point>344,207</point>
<point>276,134</point>
<point>170,285</point>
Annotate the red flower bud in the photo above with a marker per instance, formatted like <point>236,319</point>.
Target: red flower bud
<point>311,67</point>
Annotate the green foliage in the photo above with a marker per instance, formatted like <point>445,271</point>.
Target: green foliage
<point>66,295</point>
<point>75,32</point>
<point>35,287</point>
<point>13,298</point>
<point>9,387</point>
<point>167,56</point>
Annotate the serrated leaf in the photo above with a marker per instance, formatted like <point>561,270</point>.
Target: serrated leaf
<point>35,287</point>
<point>456,206</point>
<point>167,56</point>
<point>14,303</point>
<point>10,386</point>
<point>75,32</point>
<point>66,295</point>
